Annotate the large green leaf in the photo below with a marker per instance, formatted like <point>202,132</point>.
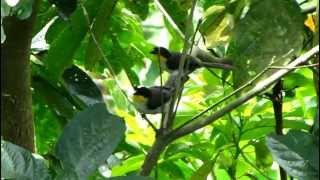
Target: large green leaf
<point>80,85</point>
<point>178,11</point>
<point>270,32</point>
<point>60,54</point>
<point>297,153</point>
<point>139,7</point>
<point>219,19</point>
<point>100,25</point>
<point>19,163</point>
<point>65,7</point>
<point>88,140</point>
<point>57,101</point>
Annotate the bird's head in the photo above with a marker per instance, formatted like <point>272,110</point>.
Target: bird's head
<point>141,94</point>
<point>162,53</point>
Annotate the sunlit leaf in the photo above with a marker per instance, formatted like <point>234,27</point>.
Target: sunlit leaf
<point>203,171</point>
<point>132,177</point>
<point>131,164</point>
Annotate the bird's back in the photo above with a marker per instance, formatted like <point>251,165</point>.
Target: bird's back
<point>158,96</point>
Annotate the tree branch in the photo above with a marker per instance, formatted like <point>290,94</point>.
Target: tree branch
<point>169,116</point>
<point>260,87</point>
<point>276,99</point>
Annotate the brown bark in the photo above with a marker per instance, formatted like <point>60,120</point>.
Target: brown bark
<point>153,155</point>
<point>16,100</point>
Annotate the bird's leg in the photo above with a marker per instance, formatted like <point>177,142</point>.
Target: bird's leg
<point>144,116</point>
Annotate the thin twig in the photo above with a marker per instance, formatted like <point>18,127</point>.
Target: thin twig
<point>181,72</point>
<point>144,116</point>
<point>297,67</point>
<point>162,96</point>
<point>180,93</point>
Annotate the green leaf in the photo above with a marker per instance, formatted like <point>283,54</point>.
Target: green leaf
<point>57,101</point>
<point>60,54</point>
<point>197,150</point>
<point>171,170</point>
<point>296,153</point>
<point>203,171</point>
<point>263,155</point>
<point>47,128</point>
<point>185,168</point>
<point>88,140</point>
<point>23,9</point>
<point>131,164</point>
<point>101,24</point>
<point>65,7</point>
<point>131,178</point>
<point>120,56</point>
<point>176,42</point>
<point>80,85</point>
<point>178,11</point>
<point>259,40</point>
<point>139,7</point>
<point>294,80</point>
<point>19,163</point>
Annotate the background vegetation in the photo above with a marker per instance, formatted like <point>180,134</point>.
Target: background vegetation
<point>68,71</point>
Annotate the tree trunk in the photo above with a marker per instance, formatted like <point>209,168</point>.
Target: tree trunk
<point>16,99</point>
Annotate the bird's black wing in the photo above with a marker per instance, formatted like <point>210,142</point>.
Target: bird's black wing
<point>192,64</point>
<point>173,62</point>
<point>158,93</point>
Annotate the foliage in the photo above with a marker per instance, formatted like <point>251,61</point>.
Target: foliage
<point>84,72</point>
<point>290,152</point>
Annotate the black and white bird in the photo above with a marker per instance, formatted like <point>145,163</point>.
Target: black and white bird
<point>152,100</point>
<point>170,60</point>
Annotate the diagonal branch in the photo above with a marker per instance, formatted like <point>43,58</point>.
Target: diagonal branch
<point>260,87</point>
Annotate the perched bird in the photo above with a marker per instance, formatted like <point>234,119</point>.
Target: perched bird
<point>170,60</point>
<point>151,100</point>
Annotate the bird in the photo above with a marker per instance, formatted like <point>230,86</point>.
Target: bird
<point>170,60</point>
<point>152,100</point>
